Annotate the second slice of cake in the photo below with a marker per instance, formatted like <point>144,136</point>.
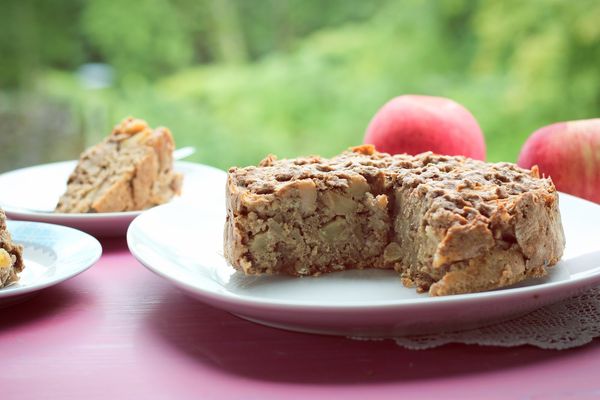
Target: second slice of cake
<point>130,170</point>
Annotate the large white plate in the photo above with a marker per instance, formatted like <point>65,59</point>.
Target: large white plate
<point>184,245</point>
<point>34,192</point>
<point>52,254</point>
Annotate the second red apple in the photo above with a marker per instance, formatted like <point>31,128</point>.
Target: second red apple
<point>414,124</point>
<point>569,153</point>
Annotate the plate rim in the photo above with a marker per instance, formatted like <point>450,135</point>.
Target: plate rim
<point>92,241</point>
<point>225,297</point>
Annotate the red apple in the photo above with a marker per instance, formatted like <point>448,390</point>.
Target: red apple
<point>569,153</point>
<point>413,124</point>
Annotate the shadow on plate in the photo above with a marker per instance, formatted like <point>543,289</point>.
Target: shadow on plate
<point>210,336</point>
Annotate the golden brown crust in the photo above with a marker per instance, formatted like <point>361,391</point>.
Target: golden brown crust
<point>130,170</point>
<point>446,224</point>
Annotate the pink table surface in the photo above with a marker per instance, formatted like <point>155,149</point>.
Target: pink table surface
<point>118,331</point>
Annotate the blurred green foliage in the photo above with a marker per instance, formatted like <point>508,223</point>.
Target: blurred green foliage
<point>240,79</point>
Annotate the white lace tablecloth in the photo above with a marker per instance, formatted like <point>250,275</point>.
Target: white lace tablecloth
<point>564,325</point>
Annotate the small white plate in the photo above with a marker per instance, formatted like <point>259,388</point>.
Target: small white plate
<point>52,254</point>
<point>35,191</point>
<point>184,246</point>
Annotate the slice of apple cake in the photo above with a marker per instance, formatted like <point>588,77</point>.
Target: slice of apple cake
<point>11,255</point>
<point>132,169</point>
<point>447,224</point>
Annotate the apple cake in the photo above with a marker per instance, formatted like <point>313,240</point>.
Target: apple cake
<point>11,256</point>
<point>132,169</point>
<point>447,224</point>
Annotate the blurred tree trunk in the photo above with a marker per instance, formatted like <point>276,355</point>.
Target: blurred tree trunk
<point>229,38</point>
<point>283,22</point>
<point>27,60</point>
